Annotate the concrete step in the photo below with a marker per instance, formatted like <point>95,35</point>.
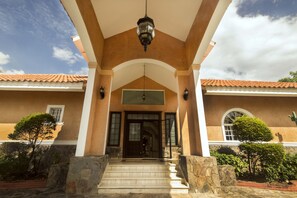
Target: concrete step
<point>167,190</point>
<point>138,177</point>
<point>161,174</point>
<point>140,168</point>
<point>140,181</point>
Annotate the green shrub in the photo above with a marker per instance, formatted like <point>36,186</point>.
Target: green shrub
<point>34,128</point>
<point>226,150</point>
<point>250,129</point>
<point>235,161</point>
<point>14,168</point>
<point>264,159</point>
<point>288,170</point>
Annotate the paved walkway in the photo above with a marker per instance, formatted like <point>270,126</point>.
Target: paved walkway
<point>228,192</point>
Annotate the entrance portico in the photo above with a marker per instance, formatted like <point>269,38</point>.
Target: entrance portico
<point>116,61</point>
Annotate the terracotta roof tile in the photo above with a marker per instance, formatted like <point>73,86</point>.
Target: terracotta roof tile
<point>66,78</point>
<point>54,78</point>
<point>247,84</point>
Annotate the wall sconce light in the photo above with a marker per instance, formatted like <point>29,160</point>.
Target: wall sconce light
<point>186,94</point>
<point>102,92</point>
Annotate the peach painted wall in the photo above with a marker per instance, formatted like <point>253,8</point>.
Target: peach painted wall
<point>101,118</point>
<point>188,116</point>
<point>116,101</point>
<point>273,111</point>
<point>126,46</point>
<point>16,104</point>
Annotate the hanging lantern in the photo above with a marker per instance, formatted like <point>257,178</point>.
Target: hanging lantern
<point>145,30</point>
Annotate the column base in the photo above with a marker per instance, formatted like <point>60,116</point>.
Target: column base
<point>85,173</point>
<point>201,173</point>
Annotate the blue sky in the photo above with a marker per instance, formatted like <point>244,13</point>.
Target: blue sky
<point>35,37</point>
<point>256,40</point>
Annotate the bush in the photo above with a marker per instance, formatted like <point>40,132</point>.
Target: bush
<point>33,129</point>
<point>249,129</point>
<point>14,161</point>
<point>288,170</point>
<point>235,161</point>
<point>226,150</point>
<point>264,159</point>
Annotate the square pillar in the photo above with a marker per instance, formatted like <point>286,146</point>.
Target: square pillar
<point>194,137</point>
<point>94,121</point>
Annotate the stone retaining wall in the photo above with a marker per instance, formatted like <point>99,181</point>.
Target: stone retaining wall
<point>201,173</point>
<point>227,175</point>
<point>85,173</point>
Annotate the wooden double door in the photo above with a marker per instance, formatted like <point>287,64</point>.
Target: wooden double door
<point>142,135</point>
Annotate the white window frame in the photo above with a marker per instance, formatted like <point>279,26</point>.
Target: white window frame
<point>245,112</point>
<point>57,106</point>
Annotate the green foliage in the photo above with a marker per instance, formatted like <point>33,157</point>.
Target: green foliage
<point>33,129</point>
<point>225,159</point>
<point>249,129</point>
<point>38,126</point>
<point>288,170</point>
<point>293,117</point>
<point>14,161</point>
<point>264,159</point>
<point>226,150</point>
<point>292,78</point>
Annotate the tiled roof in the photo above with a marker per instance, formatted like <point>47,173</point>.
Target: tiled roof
<point>246,84</point>
<point>50,78</point>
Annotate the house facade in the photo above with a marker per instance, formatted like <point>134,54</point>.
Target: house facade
<point>145,128</point>
<point>63,96</point>
<point>142,101</point>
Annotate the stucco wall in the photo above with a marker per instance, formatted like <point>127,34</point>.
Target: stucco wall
<point>116,98</point>
<point>273,111</point>
<point>16,104</point>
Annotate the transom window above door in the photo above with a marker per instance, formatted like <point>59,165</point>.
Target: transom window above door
<point>135,97</point>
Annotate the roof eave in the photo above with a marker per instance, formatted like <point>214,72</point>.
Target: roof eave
<point>249,91</point>
<point>42,86</point>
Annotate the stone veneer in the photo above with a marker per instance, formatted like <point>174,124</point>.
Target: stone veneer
<point>227,175</point>
<point>85,173</point>
<point>201,173</point>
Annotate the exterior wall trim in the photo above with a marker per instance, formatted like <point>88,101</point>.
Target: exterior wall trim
<point>237,143</point>
<point>45,142</point>
<point>84,122</point>
<point>42,86</point>
<point>201,115</point>
<point>247,91</point>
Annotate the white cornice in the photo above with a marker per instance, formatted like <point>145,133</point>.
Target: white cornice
<point>237,143</point>
<point>42,86</point>
<point>45,142</point>
<point>243,91</point>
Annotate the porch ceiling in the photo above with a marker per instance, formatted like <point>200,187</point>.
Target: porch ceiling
<point>128,73</point>
<point>193,22</point>
<point>173,17</point>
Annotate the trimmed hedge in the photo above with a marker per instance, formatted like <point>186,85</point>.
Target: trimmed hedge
<point>251,129</point>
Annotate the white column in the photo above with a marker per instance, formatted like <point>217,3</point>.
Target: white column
<point>84,122</point>
<point>201,115</point>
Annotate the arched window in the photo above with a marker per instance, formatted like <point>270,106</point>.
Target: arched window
<point>228,120</point>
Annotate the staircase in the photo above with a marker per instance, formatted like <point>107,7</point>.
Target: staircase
<point>141,177</point>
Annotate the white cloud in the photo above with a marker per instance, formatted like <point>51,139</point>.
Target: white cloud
<point>82,71</point>
<point>66,55</point>
<point>256,48</point>
<point>12,71</point>
<point>4,58</point>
